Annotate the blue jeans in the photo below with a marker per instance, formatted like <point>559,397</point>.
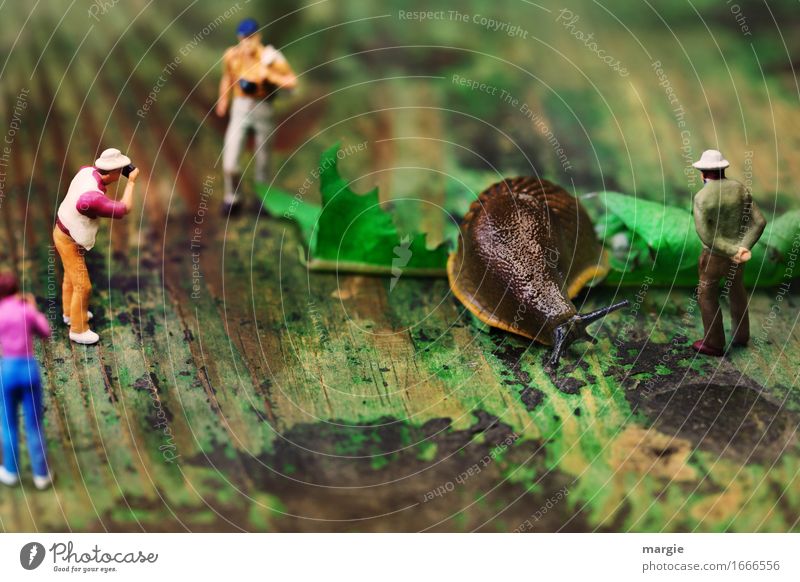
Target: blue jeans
<point>21,384</point>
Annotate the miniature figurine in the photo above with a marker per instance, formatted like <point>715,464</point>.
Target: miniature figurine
<point>527,248</point>
<point>76,227</point>
<point>254,73</point>
<point>728,223</point>
<point>21,383</point>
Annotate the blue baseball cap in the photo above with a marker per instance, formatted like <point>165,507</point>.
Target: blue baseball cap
<point>247,27</point>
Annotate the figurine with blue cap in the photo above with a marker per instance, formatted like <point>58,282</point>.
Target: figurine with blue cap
<point>252,76</point>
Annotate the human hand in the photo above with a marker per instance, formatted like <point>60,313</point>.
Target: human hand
<point>222,108</point>
<point>742,256</point>
<point>133,175</point>
<point>289,82</point>
<point>285,79</point>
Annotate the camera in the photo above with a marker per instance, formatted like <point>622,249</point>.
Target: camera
<point>248,87</point>
<point>126,171</point>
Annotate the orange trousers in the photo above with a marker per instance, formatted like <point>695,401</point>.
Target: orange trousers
<point>76,288</point>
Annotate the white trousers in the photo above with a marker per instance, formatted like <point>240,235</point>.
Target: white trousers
<point>246,114</point>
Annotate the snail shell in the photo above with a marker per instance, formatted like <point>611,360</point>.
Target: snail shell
<point>526,248</point>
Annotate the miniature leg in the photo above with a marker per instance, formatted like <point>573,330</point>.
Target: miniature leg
<point>8,416</point>
<point>66,295</point>
<point>232,149</point>
<point>712,270</point>
<point>81,291</point>
<point>740,320</point>
<point>75,269</point>
<point>232,183</point>
<point>33,414</point>
<point>60,239</point>
<point>262,126</point>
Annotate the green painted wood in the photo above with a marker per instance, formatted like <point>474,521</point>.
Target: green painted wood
<point>298,401</point>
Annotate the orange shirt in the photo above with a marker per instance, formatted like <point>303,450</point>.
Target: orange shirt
<point>250,65</point>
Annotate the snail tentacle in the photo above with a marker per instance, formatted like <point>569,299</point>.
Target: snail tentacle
<point>574,330</point>
<point>593,316</point>
<point>559,337</point>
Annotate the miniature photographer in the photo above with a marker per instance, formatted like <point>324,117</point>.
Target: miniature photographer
<point>253,73</point>
<point>76,228</point>
<point>728,223</point>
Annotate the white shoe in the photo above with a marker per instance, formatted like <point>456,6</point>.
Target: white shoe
<point>230,203</point>
<point>42,483</point>
<point>86,338</point>
<point>7,478</point>
<point>89,316</point>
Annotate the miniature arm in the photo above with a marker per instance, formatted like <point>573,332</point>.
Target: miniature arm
<point>700,224</point>
<point>724,247</point>
<point>40,325</point>
<point>757,225</point>
<point>281,74</point>
<point>226,84</point>
<point>709,233</point>
<point>97,205</point>
<point>36,320</point>
<point>127,196</point>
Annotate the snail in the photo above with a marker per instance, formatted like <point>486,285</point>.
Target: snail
<point>526,248</point>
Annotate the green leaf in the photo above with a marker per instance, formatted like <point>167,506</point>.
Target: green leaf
<point>280,203</point>
<point>783,233</point>
<point>351,228</point>
<point>667,230</point>
<point>354,232</point>
<point>775,255</point>
<point>625,222</point>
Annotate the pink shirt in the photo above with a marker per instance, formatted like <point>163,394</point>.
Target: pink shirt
<point>95,203</point>
<point>98,205</point>
<point>19,322</point>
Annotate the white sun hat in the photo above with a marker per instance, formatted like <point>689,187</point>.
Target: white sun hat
<point>711,160</point>
<point>111,159</point>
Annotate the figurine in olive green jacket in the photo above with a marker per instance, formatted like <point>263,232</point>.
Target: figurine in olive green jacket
<point>728,223</point>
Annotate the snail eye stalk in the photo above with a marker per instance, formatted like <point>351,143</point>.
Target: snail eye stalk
<point>575,330</point>
<point>593,316</point>
<point>559,338</point>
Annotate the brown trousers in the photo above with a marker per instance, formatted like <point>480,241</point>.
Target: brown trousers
<point>76,287</point>
<point>713,269</point>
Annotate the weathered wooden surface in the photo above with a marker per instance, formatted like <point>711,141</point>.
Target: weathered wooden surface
<point>250,395</point>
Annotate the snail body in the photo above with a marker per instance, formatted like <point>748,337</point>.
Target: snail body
<point>526,248</point>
